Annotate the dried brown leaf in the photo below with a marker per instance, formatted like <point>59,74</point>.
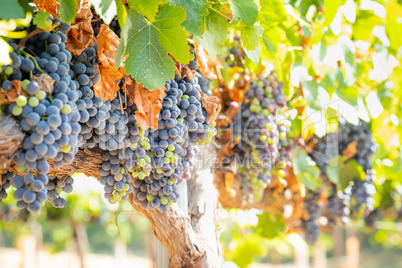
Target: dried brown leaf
<point>7,97</point>
<point>350,150</point>
<point>107,78</point>
<point>45,82</point>
<point>148,104</point>
<point>205,66</point>
<point>107,86</point>
<point>81,33</point>
<point>212,106</point>
<point>188,72</point>
<point>50,6</point>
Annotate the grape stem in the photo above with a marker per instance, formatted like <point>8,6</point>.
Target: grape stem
<point>220,13</point>
<point>24,40</point>
<point>21,51</point>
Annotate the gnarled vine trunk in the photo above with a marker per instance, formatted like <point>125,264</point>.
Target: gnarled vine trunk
<point>190,240</point>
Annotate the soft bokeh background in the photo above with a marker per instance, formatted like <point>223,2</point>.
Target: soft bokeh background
<point>90,232</point>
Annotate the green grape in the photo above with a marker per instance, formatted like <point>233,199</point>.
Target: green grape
<point>17,110</point>
<point>22,101</point>
<point>9,70</point>
<point>150,197</point>
<point>40,95</point>
<point>66,109</point>
<point>164,200</point>
<point>33,102</point>
<point>24,84</point>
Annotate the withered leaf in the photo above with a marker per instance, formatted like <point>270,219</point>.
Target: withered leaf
<point>229,183</point>
<point>81,33</point>
<point>350,150</point>
<point>188,72</point>
<point>204,64</point>
<point>212,106</point>
<point>148,104</point>
<point>7,97</point>
<point>50,6</point>
<point>45,82</point>
<point>107,78</point>
<point>107,86</point>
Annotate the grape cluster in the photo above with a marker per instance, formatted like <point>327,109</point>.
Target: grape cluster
<point>181,127</point>
<point>310,226</point>
<point>55,187</point>
<point>357,196</point>
<point>59,121</point>
<point>5,184</point>
<point>49,119</point>
<point>337,209</point>
<point>261,130</point>
<point>115,178</point>
<point>30,191</point>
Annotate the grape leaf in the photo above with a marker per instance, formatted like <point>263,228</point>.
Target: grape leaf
<point>106,9</point>
<point>215,33</point>
<point>196,11</point>
<point>121,13</point>
<point>251,36</point>
<point>273,12</point>
<point>107,86</point>
<point>147,8</point>
<point>254,54</point>
<point>67,10</point>
<point>50,6</point>
<point>305,169</point>
<point>341,171</point>
<point>270,226</point>
<point>11,10</point>
<point>247,10</point>
<point>25,5</point>
<point>41,20</point>
<point>148,45</point>
<point>330,9</point>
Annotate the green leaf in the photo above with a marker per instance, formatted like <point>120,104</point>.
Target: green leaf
<point>106,9</point>
<point>25,5</point>
<point>273,12</point>
<point>341,171</point>
<point>251,36</point>
<point>41,20</point>
<point>147,8</point>
<point>121,13</point>
<point>305,169</point>
<point>215,33</point>
<point>11,10</point>
<point>270,227</point>
<point>247,10</point>
<point>254,54</point>
<point>67,9</point>
<point>330,9</point>
<point>363,27</point>
<point>148,44</point>
<point>196,12</point>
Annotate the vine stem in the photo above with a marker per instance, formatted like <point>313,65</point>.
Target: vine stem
<point>220,13</point>
<point>21,50</point>
<point>24,40</point>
